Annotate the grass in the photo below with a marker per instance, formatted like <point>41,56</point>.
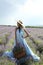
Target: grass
<point>5,61</point>
<point>11,41</point>
<point>0,41</point>
<point>37,41</point>
<point>4,39</point>
<point>34,26</point>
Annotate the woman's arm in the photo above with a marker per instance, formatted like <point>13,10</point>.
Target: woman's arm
<point>27,34</point>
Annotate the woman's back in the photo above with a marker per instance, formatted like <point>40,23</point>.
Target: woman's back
<point>19,35</point>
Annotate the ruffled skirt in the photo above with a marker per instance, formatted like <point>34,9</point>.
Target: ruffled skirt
<point>29,54</point>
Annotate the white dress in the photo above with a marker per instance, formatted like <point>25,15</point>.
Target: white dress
<point>22,41</point>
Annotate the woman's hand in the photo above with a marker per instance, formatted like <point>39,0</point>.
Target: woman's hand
<point>25,36</point>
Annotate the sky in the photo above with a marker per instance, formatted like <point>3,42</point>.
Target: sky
<point>30,12</point>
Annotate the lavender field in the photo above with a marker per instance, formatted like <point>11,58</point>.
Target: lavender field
<point>35,41</point>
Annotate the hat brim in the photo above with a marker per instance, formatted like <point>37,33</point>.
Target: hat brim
<point>21,24</point>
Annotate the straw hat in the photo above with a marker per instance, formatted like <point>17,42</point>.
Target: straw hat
<point>21,23</point>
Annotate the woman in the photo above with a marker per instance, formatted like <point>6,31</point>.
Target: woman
<point>20,40</point>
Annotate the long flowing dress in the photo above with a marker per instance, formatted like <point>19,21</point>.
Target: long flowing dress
<point>22,41</point>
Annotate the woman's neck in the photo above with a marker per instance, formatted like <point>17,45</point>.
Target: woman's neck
<point>19,28</point>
